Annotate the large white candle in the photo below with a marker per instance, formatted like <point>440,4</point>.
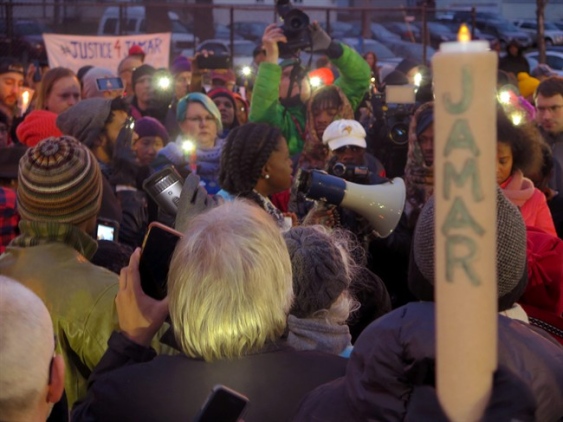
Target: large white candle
<point>465,74</point>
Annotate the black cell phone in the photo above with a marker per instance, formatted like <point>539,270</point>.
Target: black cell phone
<point>213,61</point>
<point>109,84</point>
<point>224,405</point>
<point>107,229</point>
<point>158,247</point>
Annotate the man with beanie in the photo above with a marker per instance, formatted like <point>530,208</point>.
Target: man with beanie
<point>105,127</point>
<point>59,194</point>
<point>143,93</point>
<point>181,70</point>
<point>11,82</point>
<point>394,358</point>
<point>281,91</point>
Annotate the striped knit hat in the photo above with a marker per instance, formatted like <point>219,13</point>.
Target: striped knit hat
<point>59,180</point>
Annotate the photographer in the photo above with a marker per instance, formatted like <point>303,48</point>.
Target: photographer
<point>350,161</point>
<point>281,91</point>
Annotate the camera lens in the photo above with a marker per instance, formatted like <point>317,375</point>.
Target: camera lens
<point>399,133</point>
<point>339,169</point>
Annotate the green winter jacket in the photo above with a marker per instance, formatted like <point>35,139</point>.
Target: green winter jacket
<point>52,260</point>
<point>265,107</point>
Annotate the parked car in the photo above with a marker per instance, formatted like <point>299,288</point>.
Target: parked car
<point>505,32</point>
<point>384,55</point>
<point>552,34</point>
<point>26,42</point>
<point>380,33</point>
<point>553,58</point>
<point>224,32</point>
<point>467,16</point>
<point>477,33</point>
<point>338,30</point>
<point>409,50</point>
<point>407,31</point>
<point>135,22</point>
<point>252,31</point>
<point>242,54</point>
<point>437,33</point>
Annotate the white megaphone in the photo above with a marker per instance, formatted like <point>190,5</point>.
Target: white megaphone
<point>381,204</point>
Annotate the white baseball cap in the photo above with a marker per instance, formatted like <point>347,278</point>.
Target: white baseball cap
<point>344,132</point>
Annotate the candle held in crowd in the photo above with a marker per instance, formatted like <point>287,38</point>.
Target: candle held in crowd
<point>465,194</point>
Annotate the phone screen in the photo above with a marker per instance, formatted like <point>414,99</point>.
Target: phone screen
<point>105,232</point>
<point>109,84</point>
<point>223,404</point>
<point>158,247</point>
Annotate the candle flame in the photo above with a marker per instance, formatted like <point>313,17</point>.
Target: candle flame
<point>25,96</point>
<point>464,35</point>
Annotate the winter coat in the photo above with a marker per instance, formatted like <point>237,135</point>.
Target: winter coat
<point>531,202</point>
<point>79,295</point>
<point>131,384</point>
<point>354,81</point>
<point>390,355</point>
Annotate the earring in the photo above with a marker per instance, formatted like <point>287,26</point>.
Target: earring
<point>266,176</point>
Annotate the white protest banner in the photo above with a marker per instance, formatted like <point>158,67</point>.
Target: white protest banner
<point>75,51</point>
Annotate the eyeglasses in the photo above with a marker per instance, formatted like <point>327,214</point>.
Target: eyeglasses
<point>552,109</point>
<point>200,120</point>
<point>351,148</point>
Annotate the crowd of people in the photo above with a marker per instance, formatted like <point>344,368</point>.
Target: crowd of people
<point>299,304</point>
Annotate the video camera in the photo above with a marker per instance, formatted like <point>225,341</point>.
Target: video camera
<point>394,109</point>
<point>352,173</point>
<point>295,27</point>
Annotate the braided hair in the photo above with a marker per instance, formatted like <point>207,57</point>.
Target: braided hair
<point>246,151</point>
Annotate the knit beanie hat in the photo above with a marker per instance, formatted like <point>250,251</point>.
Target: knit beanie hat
<point>223,92</point>
<point>205,101</point>
<point>141,71</point>
<point>319,274</point>
<point>59,180</point>
<point>37,125</point>
<point>149,126</point>
<point>89,84</point>
<point>180,64</point>
<point>512,274</point>
<point>526,84</point>
<point>85,120</point>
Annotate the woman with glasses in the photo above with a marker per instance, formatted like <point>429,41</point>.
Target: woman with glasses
<point>200,124</point>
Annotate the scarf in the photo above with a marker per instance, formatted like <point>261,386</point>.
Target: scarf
<point>271,209</point>
<point>317,334</point>
<point>34,233</point>
<point>517,188</point>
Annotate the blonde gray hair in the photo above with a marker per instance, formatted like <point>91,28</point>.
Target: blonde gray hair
<point>229,283</point>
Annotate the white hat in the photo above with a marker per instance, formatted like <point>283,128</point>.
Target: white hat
<point>344,132</point>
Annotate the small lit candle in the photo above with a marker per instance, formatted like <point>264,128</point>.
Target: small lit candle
<point>465,74</point>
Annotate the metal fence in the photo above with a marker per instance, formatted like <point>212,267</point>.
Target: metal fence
<point>21,24</point>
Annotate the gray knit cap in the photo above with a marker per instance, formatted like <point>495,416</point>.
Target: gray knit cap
<point>512,272</point>
<point>319,274</point>
<point>85,120</point>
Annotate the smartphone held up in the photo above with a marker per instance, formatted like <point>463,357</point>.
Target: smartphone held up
<point>158,247</point>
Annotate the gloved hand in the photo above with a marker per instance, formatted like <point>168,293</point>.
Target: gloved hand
<point>320,39</point>
<point>194,200</point>
<point>124,163</point>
